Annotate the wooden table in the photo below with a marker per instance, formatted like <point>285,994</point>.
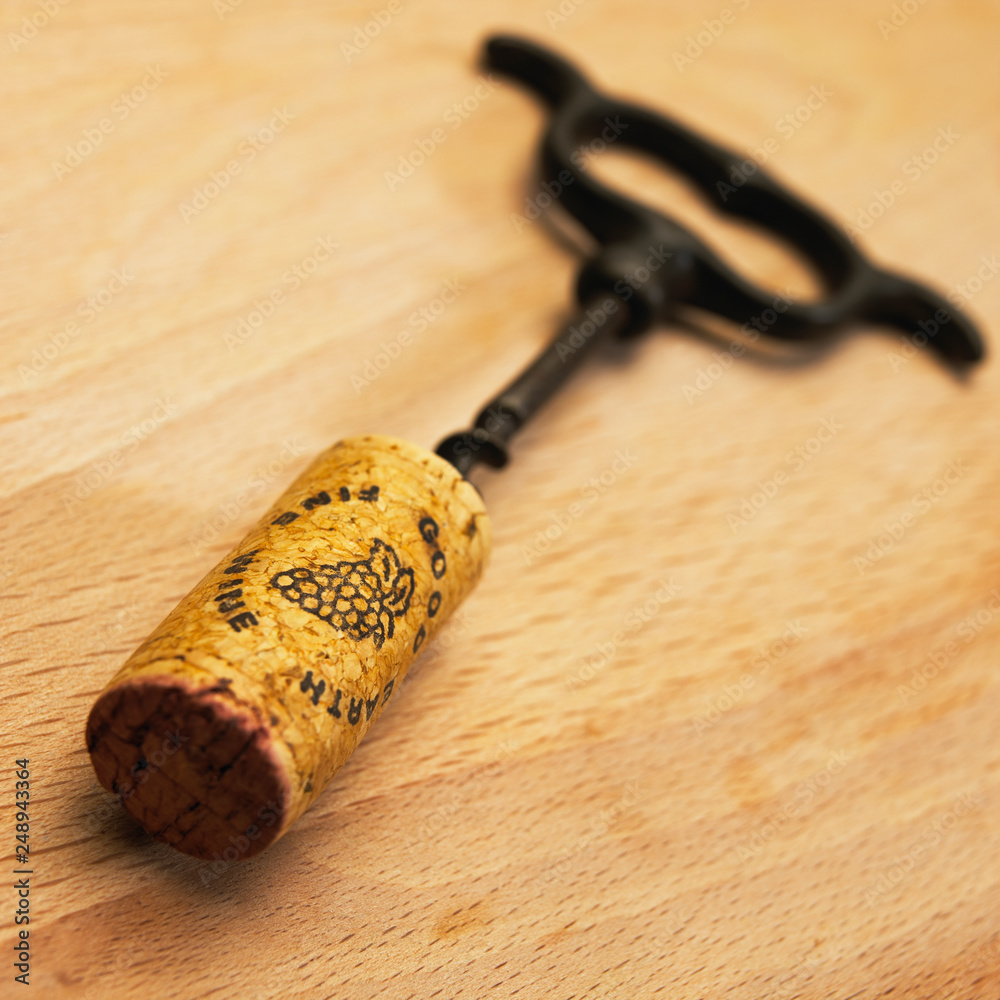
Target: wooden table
<point>730,730</point>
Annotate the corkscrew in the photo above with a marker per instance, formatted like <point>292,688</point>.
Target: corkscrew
<point>230,719</point>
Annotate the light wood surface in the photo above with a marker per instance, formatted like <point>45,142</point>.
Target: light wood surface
<point>674,754</point>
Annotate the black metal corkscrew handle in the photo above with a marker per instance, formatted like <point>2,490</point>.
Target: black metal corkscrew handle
<point>688,272</point>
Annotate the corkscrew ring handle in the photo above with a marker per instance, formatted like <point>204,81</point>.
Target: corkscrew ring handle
<point>855,290</point>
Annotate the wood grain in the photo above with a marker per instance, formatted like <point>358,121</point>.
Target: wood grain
<point>666,748</point>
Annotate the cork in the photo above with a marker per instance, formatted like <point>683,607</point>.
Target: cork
<point>224,726</point>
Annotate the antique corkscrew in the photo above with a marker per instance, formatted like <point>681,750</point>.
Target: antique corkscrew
<point>229,720</point>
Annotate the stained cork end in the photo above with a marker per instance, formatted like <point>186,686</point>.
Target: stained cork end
<point>226,724</point>
<point>196,767</point>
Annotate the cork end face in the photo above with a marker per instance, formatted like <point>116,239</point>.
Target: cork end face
<point>196,767</point>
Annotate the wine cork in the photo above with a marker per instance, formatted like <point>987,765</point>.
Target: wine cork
<point>228,721</point>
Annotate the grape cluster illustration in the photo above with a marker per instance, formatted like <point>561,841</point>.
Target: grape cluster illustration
<point>360,598</point>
